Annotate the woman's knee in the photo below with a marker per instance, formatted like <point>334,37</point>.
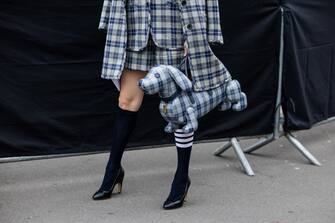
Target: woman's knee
<point>130,102</point>
<point>131,95</point>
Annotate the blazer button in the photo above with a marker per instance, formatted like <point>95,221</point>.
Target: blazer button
<point>189,26</point>
<point>183,3</point>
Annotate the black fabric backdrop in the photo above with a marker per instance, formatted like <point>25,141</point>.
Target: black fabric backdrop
<point>309,71</point>
<point>54,101</point>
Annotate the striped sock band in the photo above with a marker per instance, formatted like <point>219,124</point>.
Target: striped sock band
<point>183,140</point>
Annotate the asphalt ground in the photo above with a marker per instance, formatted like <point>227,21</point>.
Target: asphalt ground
<point>285,188</point>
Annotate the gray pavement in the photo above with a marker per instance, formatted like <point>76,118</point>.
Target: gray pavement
<point>285,189</point>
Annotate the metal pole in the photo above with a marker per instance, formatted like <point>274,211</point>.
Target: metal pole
<point>280,77</point>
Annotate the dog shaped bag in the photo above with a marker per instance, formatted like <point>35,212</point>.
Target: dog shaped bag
<point>180,105</point>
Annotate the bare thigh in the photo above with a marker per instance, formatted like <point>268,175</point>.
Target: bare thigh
<point>131,95</point>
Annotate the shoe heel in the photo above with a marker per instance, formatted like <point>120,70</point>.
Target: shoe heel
<point>119,181</point>
<point>119,188</point>
<point>185,197</point>
<point>187,188</point>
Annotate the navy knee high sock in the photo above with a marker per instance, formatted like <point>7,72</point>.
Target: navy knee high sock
<point>184,142</point>
<point>124,124</point>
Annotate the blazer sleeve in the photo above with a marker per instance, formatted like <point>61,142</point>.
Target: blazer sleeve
<point>214,32</point>
<point>104,18</point>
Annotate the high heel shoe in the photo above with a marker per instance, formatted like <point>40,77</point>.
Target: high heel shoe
<point>172,204</point>
<point>103,194</point>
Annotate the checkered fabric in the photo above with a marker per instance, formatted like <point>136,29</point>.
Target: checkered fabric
<point>180,105</point>
<point>151,56</point>
<point>171,23</point>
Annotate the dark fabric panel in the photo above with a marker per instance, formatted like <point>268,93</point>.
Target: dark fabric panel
<point>309,74</point>
<point>53,100</point>
<point>251,34</point>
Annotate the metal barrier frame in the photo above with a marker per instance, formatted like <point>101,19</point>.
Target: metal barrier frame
<point>278,123</point>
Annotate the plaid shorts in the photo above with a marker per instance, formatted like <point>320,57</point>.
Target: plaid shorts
<point>152,55</point>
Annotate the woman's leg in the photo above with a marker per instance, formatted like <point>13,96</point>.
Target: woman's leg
<point>179,187</point>
<point>129,102</point>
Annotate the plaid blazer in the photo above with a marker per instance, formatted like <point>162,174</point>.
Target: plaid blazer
<point>198,25</point>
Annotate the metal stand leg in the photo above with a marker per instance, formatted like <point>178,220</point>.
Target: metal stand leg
<point>292,140</point>
<point>239,153</point>
<point>302,149</point>
<point>259,144</point>
<point>222,149</point>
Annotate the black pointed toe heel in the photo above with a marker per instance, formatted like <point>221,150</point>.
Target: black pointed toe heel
<point>103,194</point>
<point>173,204</point>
